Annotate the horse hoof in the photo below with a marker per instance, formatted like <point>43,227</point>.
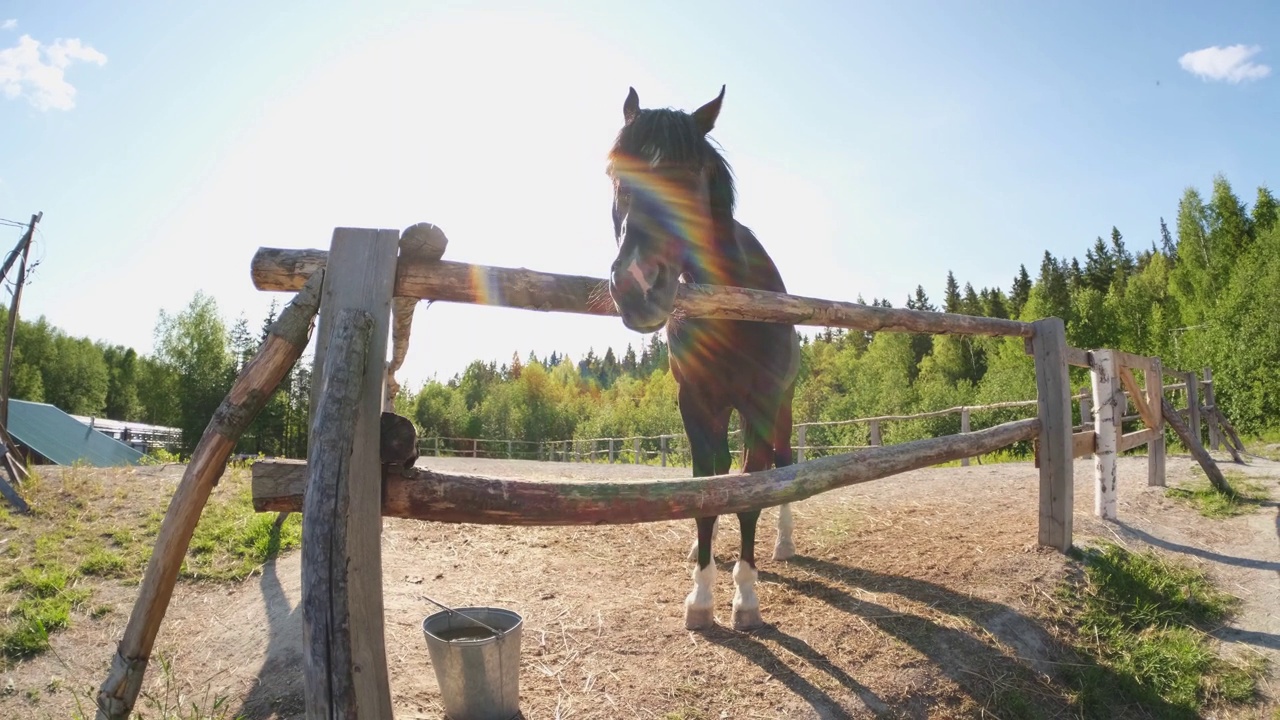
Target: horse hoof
<point>698,618</point>
<point>747,618</point>
<point>784,551</point>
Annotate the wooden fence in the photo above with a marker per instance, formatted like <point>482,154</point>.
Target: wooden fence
<point>366,288</point>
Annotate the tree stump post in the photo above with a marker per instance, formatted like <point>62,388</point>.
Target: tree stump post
<point>1053,390</point>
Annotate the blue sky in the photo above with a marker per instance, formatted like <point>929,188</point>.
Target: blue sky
<point>876,146</point>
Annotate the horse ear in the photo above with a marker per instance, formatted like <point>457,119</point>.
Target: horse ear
<point>631,108</point>
<point>705,116</point>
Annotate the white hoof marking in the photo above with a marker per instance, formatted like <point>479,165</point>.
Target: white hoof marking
<point>746,606</point>
<point>699,612</point>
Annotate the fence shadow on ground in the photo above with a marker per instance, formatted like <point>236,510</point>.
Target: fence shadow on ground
<point>990,676</point>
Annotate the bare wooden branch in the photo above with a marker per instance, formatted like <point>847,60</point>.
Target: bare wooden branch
<point>1233,438</point>
<point>426,495</point>
<point>286,339</point>
<point>281,269</point>
<point>1192,442</point>
<point>330,668</point>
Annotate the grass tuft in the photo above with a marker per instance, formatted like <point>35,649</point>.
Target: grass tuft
<point>1213,503</point>
<point>1140,619</point>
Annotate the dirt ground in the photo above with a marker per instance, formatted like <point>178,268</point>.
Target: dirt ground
<point>918,596</point>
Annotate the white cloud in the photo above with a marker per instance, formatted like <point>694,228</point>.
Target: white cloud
<point>9,24</point>
<point>37,71</point>
<point>1227,64</point>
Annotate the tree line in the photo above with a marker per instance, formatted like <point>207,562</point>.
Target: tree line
<point>1205,292</point>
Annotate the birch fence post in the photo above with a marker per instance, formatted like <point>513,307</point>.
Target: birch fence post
<point>1106,428</point>
<point>1053,389</point>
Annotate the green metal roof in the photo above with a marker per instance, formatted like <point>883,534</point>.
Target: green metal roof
<point>63,439</point>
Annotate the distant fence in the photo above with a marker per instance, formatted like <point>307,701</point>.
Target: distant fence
<point>142,437</point>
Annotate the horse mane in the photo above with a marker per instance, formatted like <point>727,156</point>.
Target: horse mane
<point>669,137</point>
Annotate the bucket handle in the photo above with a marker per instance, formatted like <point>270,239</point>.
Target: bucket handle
<point>495,631</point>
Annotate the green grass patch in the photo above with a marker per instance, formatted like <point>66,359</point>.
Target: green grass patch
<point>1212,503</point>
<point>90,526</point>
<point>1140,622</point>
<point>232,541</point>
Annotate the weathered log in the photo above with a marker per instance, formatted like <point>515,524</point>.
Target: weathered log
<point>424,243</point>
<point>329,667</point>
<point>419,493</point>
<point>1210,468</point>
<point>286,339</point>
<point>1082,443</point>
<point>1137,438</point>
<point>281,269</point>
<point>398,440</point>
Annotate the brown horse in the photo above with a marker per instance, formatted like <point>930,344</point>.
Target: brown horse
<point>673,203</point>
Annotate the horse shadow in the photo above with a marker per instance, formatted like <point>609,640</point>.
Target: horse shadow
<point>980,669</point>
<point>277,690</point>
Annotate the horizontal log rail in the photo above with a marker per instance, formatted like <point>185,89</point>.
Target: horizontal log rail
<point>279,485</point>
<point>280,269</point>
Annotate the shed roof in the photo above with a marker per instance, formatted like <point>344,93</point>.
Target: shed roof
<point>63,439</point>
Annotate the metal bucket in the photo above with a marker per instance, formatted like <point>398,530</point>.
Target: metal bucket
<point>479,677</point>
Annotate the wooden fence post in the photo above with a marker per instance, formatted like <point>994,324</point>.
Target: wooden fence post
<point>964,428</point>
<point>1193,405</point>
<point>437,446</point>
<point>510,455</point>
<point>873,433</point>
<point>475,446</point>
<point>612,454</point>
<point>345,670</point>
<point>1086,414</point>
<point>801,442</point>
<point>1107,413</point>
<point>1215,432</point>
<point>1155,446</point>
<point>635,451</point>
<point>662,441</point>
<point>1053,389</point>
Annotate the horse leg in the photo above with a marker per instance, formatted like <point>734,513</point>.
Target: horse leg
<point>785,547</point>
<point>699,610</point>
<point>723,461</point>
<point>758,455</point>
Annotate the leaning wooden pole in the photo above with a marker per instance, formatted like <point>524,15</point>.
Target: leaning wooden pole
<point>1197,450</point>
<point>286,339</point>
<point>421,494</point>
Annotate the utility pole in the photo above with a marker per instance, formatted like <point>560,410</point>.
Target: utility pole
<point>12,459</point>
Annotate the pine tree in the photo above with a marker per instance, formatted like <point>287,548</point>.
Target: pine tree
<point>1167,246</point>
<point>951,296</point>
<point>971,305</point>
<point>920,301</point>
<point>1019,291</point>
<point>1099,266</point>
<point>1123,261</point>
<point>629,361</point>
